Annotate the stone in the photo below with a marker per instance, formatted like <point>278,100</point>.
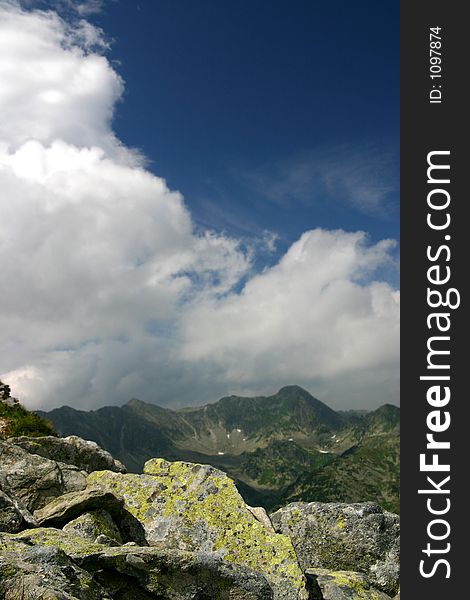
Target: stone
<point>43,572</point>
<point>123,572</point>
<point>71,450</point>
<point>261,515</point>
<point>14,516</point>
<point>185,575</point>
<point>341,585</point>
<point>197,508</point>
<point>69,506</point>
<point>351,537</point>
<point>91,525</point>
<point>36,480</point>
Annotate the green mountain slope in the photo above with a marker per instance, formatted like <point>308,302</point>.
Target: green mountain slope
<point>281,447</point>
<point>368,471</point>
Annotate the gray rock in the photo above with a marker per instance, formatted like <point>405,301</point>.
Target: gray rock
<point>352,537</point>
<point>71,450</point>
<point>261,515</point>
<point>184,575</point>
<point>69,506</point>
<point>43,572</point>
<point>341,585</point>
<point>105,540</point>
<point>125,572</point>
<point>14,516</point>
<point>92,524</point>
<point>36,480</point>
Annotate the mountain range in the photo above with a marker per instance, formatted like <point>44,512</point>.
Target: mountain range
<point>281,448</point>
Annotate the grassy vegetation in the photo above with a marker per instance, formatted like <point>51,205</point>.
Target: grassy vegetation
<point>16,420</point>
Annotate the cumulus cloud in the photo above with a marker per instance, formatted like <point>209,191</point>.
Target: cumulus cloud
<point>54,86</point>
<point>108,290</point>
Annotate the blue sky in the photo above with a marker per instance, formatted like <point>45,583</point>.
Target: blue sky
<point>267,115</point>
<point>199,198</point>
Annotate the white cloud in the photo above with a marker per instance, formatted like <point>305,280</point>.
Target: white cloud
<point>53,85</point>
<point>362,177</point>
<point>109,292</point>
<point>308,317</point>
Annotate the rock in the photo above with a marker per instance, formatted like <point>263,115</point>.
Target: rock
<point>69,506</point>
<point>341,585</point>
<point>91,525</point>
<point>36,480</point>
<point>106,540</point>
<point>33,572</point>
<point>71,450</point>
<point>352,537</point>
<point>185,575</point>
<point>14,516</point>
<point>196,508</point>
<point>261,515</point>
<point>11,520</point>
<point>129,572</point>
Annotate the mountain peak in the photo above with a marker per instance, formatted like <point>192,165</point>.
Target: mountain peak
<point>134,402</point>
<point>291,390</point>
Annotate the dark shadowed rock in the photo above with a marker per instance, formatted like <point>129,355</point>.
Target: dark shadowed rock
<point>69,506</point>
<point>14,516</point>
<point>71,450</point>
<point>351,537</point>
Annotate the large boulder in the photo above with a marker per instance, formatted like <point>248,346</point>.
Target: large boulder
<point>128,573</point>
<point>71,450</point>
<point>196,508</point>
<point>351,537</point>
<point>35,480</point>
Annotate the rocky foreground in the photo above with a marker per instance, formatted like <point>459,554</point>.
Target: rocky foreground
<point>75,525</point>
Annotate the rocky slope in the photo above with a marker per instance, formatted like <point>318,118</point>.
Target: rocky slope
<point>75,525</point>
<point>289,446</point>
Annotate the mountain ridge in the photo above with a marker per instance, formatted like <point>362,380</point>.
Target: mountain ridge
<point>275,447</point>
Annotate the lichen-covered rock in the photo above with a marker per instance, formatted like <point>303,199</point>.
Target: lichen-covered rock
<point>36,480</point>
<point>71,450</point>
<point>43,572</point>
<point>191,507</point>
<point>69,506</point>
<point>131,572</point>
<point>352,537</point>
<point>93,524</point>
<point>173,575</point>
<point>341,585</point>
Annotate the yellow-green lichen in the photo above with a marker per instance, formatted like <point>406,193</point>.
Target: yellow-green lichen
<point>356,583</point>
<point>340,523</point>
<point>72,545</point>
